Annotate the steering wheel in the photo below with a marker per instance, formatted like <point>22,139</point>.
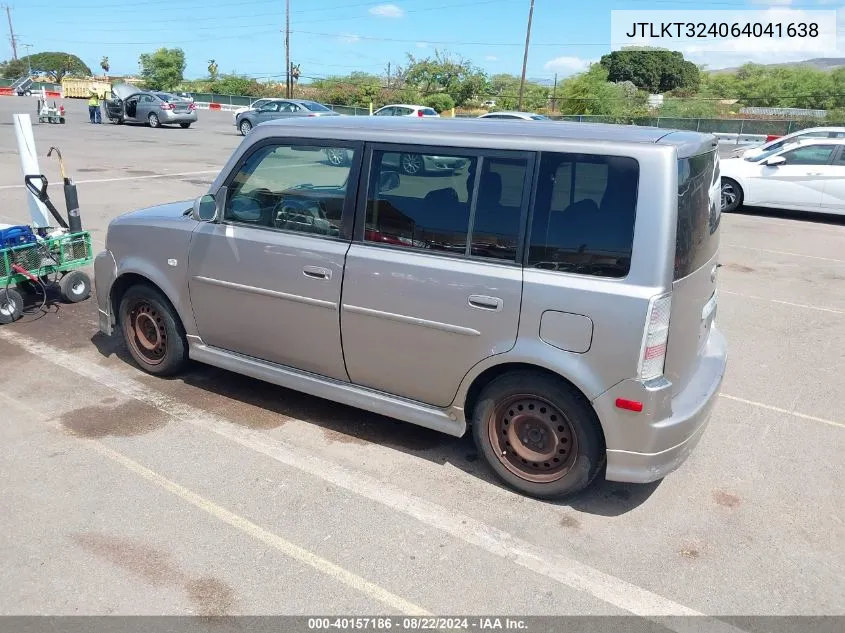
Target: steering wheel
<point>292,211</point>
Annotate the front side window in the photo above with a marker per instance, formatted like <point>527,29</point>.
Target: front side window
<point>584,214</point>
<point>289,188</point>
<point>809,155</point>
<point>429,202</point>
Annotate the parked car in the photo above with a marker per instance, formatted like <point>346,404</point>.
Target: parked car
<point>805,175</point>
<point>280,109</point>
<point>812,132</point>
<point>544,297</point>
<point>409,163</point>
<point>401,109</point>
<point>253,106</point>
<point>512,115</point>
<point>185,96</point>
<point>131,105</point>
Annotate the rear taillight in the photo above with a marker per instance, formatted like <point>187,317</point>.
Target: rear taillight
<point>166,106</point>
<point>192,107</point>
<point>419,113</point>
<point>656,336</point>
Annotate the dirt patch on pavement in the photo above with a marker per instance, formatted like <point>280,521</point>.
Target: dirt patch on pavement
<point>569,521</point>
<point>122,420</point>
<point>211,597</point>
<point>153,565</point>
<point>726,499</point>
<point>739,268</point>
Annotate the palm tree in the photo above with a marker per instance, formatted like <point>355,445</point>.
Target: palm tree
<point>104,64</point>
<point>212,69</point>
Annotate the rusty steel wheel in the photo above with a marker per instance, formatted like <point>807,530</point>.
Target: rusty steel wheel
<point>532,438</point>
<point>146,332</point>
<point>152,331</point>
<point>538,434</point>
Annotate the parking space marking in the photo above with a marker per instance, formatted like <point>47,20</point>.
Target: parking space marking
<point>770,407</point>
<point>546,562</point>
<point>766,250</point>
<point>782,302</point>
<point>242,524</point>
<point>127,178</point>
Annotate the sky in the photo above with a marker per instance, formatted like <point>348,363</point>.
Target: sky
<point>333,37</point>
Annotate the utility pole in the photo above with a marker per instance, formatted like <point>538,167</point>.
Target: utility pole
<point>28,48</point>
<point>287,49</point>
<point>525,56</point>
<point>12,37</point>
<point>554,94</point>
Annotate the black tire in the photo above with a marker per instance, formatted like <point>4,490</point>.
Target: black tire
<point>185,126</point>
<point>244,127</point>
<point>152,331</point>
<point>11,305</point>
<point>565,435</point>
<point>75,286</point>
<point>337,157</point>
<point>153,120</point>
<point>731,195</point>
<point>411,164</point>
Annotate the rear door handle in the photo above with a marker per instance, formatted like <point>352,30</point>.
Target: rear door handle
<point>316,272</point>
<point>481,302</point>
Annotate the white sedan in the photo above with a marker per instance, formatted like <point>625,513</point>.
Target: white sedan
<point>808,175</point>
<point>800,135</point>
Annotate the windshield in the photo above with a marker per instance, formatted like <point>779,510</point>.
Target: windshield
<point>754,158</point>
<point>164,96</point>
<point>315,107</point>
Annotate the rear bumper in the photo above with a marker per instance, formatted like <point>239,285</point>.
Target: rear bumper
<point>646,446</point>
<point>168,116</point>
<point>105,271</point>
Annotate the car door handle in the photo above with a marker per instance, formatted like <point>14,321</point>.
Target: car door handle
<point>315,272</point>
<point>481,302</point>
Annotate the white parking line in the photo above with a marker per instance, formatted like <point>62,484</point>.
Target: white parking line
<point>769,407</point>
<point>127,178</point>
<point>782,302</point>
<point>766,250</point>
<point>547,562</point>
<point>246,526</point>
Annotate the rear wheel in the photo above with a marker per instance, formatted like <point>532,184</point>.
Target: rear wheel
<point>185,125</point>
<point>75,286</point>
<point>152,331</point>
<point>153,120</point>
<point>11,305</point>
<point>538,435</point>
<point>245,127</point>
<point>732,195</point>
<point>411,164</point>
<point>337,156</point>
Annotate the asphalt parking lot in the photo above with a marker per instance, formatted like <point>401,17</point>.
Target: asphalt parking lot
<point>215,494</point>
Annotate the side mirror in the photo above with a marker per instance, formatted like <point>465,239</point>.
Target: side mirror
<point>388,181</point>
<point>205,208</point>
<point>774,161</point>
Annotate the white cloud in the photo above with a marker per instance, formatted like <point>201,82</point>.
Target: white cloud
<point>491,58</point>
<point>567,65</point>
<point>349,38</point>
<point>422,44</point>
<point>387,11</point>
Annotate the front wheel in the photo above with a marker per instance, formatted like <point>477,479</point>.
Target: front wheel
<point>411,164</point>
<point>538,435</point>
<point>185,125</point>
<point>152,331</point>
<point>245,127</point>
<point>75,287</point>
<point>11,305</point>
<point>732,195</point>
<point>153,120</point>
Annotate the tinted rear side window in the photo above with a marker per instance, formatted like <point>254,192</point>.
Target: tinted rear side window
<point>584,214</point>
<point>699,213</point>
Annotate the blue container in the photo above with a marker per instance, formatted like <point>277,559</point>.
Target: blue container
<point>16,236</point>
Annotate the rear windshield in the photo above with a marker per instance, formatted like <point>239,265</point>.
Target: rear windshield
<point>429,111</point>
<point>315,107</point>
<point>699,212</point>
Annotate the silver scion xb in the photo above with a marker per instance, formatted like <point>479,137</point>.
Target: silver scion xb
<point>554,292</point>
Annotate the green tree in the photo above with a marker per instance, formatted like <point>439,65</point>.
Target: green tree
<point>14,68</point>
<point>443,73</point>
<point>104,64</point>
<point>57,65</point>
<point>212,70</point>
<point>164,69</point>
<point>439,101</point>
<point>590,92</point>
<point>656,71</point>
<point>504,89</point>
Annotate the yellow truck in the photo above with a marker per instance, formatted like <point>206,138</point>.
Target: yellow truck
<point>74,87</point>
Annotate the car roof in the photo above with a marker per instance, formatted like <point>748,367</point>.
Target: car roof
<point>511,112</point>
<point>403,105</point>
<point>476,133</point>
<point>824,128</point>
